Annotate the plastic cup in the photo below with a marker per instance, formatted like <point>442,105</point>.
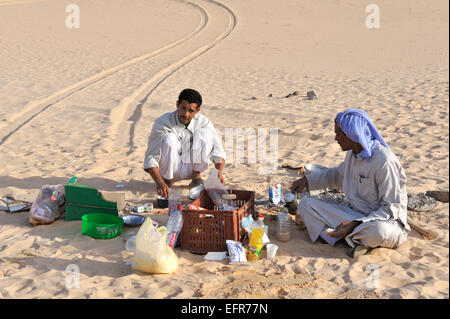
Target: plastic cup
<point>271,250</point>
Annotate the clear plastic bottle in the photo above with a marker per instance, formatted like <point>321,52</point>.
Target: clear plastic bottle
<point>130,245</point>
<point>284,225</point>
<point>256,240</point>
<point>174,226</point>
<point>174,199</point>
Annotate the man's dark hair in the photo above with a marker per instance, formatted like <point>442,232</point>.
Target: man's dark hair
<point>190,95</point>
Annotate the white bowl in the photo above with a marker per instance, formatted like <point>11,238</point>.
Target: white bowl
<point>194,192</point>
<point>310,168</point>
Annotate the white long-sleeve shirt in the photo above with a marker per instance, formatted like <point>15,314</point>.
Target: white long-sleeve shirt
<point>377,189</point>
<point>169,122</point>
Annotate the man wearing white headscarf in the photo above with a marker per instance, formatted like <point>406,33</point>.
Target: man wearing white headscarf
<point>373,182</point>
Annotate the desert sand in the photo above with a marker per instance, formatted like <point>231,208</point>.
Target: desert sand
<point>81,102</point>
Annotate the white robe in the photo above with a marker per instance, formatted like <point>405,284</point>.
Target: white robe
<point>376,192</point>
<point>179,150</point>
<point>176,164</point>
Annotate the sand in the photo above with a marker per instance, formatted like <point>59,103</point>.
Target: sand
<point>81,102</point>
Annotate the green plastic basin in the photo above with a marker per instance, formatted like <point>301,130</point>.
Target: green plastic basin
<point>101,226</point>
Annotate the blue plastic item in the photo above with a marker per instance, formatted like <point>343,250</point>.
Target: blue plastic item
<point>133,219</point>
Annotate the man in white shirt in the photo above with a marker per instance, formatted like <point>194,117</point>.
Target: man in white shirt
<point>374,184</point>
<point>180,144</point>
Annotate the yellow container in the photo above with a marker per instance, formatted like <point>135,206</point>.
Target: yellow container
<point>256,240</point>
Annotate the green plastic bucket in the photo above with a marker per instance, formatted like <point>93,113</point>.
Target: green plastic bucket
<point>101,226</point>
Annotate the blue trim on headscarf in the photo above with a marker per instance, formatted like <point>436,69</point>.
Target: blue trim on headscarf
<point>358,126</point>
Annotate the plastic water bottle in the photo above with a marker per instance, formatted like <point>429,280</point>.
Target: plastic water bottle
<point>174,226</point>
<point>284,226</point>
<point>174,199</point>
<point>256,240</point>
<point>130,245</point>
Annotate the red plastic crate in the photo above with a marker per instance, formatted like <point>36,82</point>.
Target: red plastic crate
<point>207,230</point>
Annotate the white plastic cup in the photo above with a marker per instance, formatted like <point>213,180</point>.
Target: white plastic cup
<point>271,250</point>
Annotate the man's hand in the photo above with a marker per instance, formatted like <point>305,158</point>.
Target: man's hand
<point>299,185</point>
<point>161,187</point>
<point>163,190</point>
<point>344,229</point>
<point>220,165</point>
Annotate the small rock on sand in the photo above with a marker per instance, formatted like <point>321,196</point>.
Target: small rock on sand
<point>311,95</point>
<point>295,93</point>
<point>441,196</point>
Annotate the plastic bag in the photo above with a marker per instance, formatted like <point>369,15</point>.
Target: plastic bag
<point>49,205</point>
<point>236,252</point>
<point>152,255</point>
<point>217,191</point>
<point>248,223</point>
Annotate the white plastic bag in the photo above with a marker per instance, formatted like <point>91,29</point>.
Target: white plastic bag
<point>49,205</point>
<point>217,191</point>
<point>236,252</point>
<point>152,255</point>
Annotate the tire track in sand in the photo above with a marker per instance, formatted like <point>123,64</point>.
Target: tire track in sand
<point>128,108</point>
<point>34,108</point>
